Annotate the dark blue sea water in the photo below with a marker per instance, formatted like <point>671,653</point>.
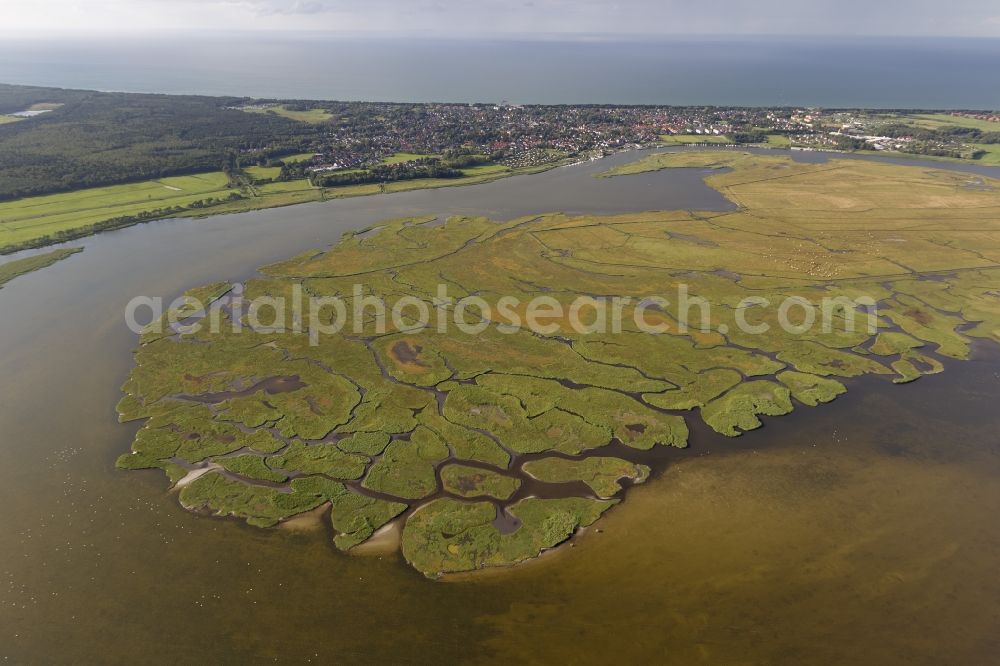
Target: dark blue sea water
<point>816,71</point>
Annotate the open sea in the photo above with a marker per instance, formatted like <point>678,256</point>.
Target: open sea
<point>927,73</point>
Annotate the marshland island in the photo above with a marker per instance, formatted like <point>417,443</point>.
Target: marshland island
<point>487,443</point>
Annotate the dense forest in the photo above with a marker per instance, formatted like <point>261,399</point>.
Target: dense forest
<point>19,98</point>
<point>103,138</point>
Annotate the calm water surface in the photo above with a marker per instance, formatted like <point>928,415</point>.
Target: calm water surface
<point>752,71</point>
<point>863,530</point>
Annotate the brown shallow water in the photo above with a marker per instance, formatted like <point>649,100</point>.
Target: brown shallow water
<point>864,530</point>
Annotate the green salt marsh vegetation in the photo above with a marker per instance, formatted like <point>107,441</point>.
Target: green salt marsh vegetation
<point>448,535</point>
<point>809,389</point>
<point>467,481</point>
<point>262,506</point>
<point>251,467</point>
<point>356,517</point>
<point>419,426</point>
<point>739,409</point>
<point>406,469</point>
<point>18,267</point>
<point>603,475</point>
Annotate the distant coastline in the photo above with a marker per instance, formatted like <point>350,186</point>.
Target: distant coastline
<point>932,73</point>
<point>76,162</point>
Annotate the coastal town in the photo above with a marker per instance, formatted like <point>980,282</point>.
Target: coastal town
<point>209,155</point>
<point>353,135</point>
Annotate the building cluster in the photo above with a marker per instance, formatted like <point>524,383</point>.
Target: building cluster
<point>361,134</point>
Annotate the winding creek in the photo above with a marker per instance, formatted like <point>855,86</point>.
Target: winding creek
<point>866,526</point>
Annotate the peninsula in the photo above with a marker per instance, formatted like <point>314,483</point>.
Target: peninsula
<point>491,446</point>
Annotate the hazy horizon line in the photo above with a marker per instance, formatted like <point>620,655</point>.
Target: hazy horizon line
<point>91,35</point>
<point>486,102</point>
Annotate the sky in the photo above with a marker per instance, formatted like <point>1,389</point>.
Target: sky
<point>527,18</point>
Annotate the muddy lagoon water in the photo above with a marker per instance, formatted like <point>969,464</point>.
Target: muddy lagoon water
<point>864,529</point>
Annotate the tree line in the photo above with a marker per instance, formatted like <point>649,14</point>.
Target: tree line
<point>386,173</point>
<point>98,139</point>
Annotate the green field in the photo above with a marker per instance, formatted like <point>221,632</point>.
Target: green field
<point>936,120</point>
<point>25,219</point>
<point>9,119</point>
<point>282,187</point>
<point>312,116</point>
<point>399,158</point>
<point>262,172</point>
<point>473,175</point>
<point>685,139</point>
<point>485,170</point>
<point>992,156</point>
<point>27,222</point>
<point>298,157</point>
<point>775,140</point>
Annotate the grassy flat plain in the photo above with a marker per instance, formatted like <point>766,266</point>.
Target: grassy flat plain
<point>936,120</point>
<point>775,140</point>
<point>33,221</point>
<point>685,139</point>
<point>298,157</point>
<point>18,267</point>
<point>399,158</point>
<point>8,119</point>
<point>313,116</point>
<point>288,193</point>
<point>992,156</point>
<point>27,219</point>
<point>373,421</point>
<point>263,172</point>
